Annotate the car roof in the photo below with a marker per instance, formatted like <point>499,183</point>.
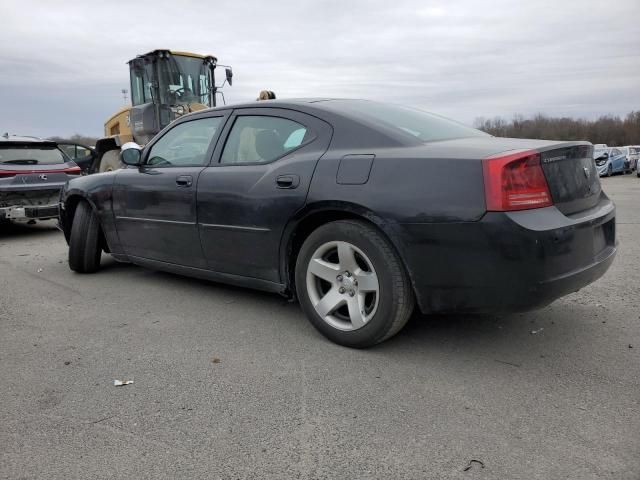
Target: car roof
<point>22,139</point>
<point>278,103</point>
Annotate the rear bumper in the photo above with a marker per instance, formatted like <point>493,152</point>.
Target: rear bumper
<point>28,201</point>
<point>508,262</point>
<point>40,212</point>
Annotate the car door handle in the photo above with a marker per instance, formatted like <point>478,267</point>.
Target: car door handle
<point>184,181</point>
<point>288,181</point>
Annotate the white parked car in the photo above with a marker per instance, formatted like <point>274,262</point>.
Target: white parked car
<point>632,152</point>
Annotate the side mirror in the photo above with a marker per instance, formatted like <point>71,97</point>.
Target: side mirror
<point>131,154</point>
<point>229,74</point>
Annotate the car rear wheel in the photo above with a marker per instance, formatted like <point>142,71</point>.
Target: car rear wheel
<point>84,241</point>
<point>352,285</point>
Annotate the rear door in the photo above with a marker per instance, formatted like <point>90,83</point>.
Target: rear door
<point>259,179</point>
<point>81,154</point>
<point>155,205</point>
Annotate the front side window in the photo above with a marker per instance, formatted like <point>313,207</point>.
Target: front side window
<point>262,139</point>
<point>185,145</point>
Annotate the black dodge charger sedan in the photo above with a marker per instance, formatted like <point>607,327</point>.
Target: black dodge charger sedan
<point>358,209</point>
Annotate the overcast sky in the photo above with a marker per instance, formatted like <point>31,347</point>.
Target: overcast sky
<point>63,64</point>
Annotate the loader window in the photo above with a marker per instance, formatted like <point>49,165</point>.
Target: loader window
<point>184,80</point>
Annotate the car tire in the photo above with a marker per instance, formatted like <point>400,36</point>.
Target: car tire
<point>366,313</point>
<point>84,241</point>
<point>609,171</point>
<point>110,161</point>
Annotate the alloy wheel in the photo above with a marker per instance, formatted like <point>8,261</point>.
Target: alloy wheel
<point>342,285</point>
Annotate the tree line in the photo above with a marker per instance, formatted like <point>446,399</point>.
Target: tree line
<point>77,138</point>
<point>612,130</point>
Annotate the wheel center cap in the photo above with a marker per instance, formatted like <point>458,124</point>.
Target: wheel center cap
<point>348,283</point>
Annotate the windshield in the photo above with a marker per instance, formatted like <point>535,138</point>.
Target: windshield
<point>427,127</point>
<point>31,155</point>
<point>184,80</point>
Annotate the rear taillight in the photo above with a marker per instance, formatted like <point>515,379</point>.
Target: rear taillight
<point>515,182</point>
<point>73,170</point>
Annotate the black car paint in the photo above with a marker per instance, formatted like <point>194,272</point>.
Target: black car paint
<point>428,199</point>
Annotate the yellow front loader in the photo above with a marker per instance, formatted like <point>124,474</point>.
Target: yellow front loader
<point>164,86</point>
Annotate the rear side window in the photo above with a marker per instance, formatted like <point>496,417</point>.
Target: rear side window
<point>30,154</point>
<point>262,139</point>
<point>426,127</point>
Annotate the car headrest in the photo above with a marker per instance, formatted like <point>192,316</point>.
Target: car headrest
<point>268,145</point>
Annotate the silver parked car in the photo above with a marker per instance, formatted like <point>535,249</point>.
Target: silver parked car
<point>632,152</point>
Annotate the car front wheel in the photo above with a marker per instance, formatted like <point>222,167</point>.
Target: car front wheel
<point>84,241</point>
<point>352,285</point>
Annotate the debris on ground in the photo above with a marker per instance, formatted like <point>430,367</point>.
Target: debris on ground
<point>507,363</point>
<point>67,362</point>
<point>533,332</point>
<point>122,383</point>
<point>630,346</point>
<point>39,270</point>
<point>215,360</point>
<point>470,464</point>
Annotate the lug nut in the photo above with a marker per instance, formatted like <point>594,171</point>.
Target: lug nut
<point>339,278</point>
<point>341,290</point>
<point>351,293</point>
<point>355,282</point>
<point>348,274</point>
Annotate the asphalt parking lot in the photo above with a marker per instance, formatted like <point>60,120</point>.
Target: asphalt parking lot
<point>232,383</point>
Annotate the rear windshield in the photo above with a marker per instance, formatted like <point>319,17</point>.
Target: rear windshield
<point>426,127</point>
<point>31,154</point>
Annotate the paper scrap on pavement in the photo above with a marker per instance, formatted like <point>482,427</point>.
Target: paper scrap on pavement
<point>122,383</point>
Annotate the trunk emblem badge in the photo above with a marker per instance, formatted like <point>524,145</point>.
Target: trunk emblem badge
<point>42,176</point>
<point>586,171</point>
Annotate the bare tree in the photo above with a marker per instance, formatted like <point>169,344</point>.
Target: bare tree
<point>606,129</point>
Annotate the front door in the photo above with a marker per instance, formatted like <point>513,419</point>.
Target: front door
<point>258,180</point>
<point>155,204</point>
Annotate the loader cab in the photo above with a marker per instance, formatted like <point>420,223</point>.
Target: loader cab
<point>166,85</point>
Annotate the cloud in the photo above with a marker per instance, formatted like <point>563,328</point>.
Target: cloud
<point>63,64</point>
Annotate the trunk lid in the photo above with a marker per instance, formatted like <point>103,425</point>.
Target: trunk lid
<point>572,177</point>
<point>568,167</point>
